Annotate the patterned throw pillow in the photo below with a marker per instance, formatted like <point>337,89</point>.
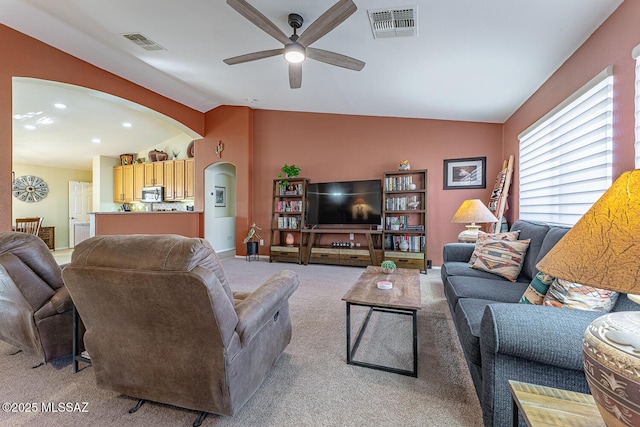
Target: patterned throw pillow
<point>502,257</point>
<point>537,289</point>
<point>580,297</point>
<point>482,237</point>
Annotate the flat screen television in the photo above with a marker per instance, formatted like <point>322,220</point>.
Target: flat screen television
<point>345,203</point>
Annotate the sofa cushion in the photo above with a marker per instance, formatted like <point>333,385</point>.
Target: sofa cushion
<point>550,239</point>
<point>502,257</point>
<point>565,294</point>
<point>536,231</point>
<point>464,269</point>
<point>468,317</point>
<point>495,289</point>
<point>482,238</point>
<point>537,289</point>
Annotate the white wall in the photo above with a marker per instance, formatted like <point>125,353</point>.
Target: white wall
<point>178,144</point>
<point>55,207</point>
<point>220,222</point>
<point>103,184</point>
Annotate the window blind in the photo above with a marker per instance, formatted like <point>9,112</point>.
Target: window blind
<point>636,55</point>
<point>566,156</point>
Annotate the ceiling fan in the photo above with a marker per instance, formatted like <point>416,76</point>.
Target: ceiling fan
<point>296,48</point>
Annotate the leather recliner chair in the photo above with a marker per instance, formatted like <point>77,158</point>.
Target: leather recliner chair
<point>162,323</point>
<point>35,307</point>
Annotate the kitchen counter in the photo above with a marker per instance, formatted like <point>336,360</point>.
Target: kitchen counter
<point>184,223</point>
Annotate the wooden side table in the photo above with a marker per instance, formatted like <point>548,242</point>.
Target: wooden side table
<point>78,342</point>
<point>542,406</point>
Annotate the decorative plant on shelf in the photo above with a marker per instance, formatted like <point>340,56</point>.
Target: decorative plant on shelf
<point>388,266</point>
<point>288,171</point>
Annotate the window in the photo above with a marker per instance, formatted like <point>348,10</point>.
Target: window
<point>636,56</point>
<point>566,156</point>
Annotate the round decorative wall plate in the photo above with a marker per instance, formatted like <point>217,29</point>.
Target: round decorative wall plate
<point>29,188</point>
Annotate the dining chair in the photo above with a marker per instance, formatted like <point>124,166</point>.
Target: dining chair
<point>29,225</point>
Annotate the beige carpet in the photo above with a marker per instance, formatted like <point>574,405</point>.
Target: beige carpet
<point>310,385</point>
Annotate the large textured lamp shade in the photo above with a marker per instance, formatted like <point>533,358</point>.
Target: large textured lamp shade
<point>603,250</point>
<point>470,212</point>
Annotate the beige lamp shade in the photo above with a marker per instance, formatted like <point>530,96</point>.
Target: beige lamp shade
<point>603,248</point>
<point>470,212</point>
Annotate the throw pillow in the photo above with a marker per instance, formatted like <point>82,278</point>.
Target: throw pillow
<point>482,237</point>
<point>502,257</point>
<point>537,289</point>
<point>563,293</point>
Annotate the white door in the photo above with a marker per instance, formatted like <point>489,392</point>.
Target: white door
<point>80,202</point>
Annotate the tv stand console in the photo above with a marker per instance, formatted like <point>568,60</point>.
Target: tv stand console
<point>355,256</point>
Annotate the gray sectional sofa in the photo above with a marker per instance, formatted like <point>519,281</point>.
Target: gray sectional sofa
<point>504,340</point>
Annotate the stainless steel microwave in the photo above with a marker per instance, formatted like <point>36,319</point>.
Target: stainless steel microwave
<point>152,194</point>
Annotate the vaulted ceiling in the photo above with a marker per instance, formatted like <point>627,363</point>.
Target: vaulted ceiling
<point>469,60</point>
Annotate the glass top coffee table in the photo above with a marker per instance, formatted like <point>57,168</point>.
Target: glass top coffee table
<point>403,298</point>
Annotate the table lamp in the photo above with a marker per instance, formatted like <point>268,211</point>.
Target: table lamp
<point>472,211</point>
<point>603,250</point>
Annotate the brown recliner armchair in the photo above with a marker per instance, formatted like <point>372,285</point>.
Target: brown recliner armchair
<point>162,323</point>
<point>35,307</point>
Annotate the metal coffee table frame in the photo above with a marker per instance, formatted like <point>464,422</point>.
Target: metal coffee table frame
<point>351,352</point>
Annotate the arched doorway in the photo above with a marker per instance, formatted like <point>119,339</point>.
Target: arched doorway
<point>220,207</point>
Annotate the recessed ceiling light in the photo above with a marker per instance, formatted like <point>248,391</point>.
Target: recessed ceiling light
<point>44,121</point>
<point>59,105</point>
<point>30,127</point>
<point>26,116</point>
<point>96,140</point>
<point>127,124</point>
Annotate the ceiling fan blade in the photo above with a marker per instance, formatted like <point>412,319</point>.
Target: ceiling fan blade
<point>333,17</point>
<point>253,56</point>
<point>295,75</point>
<point>258,19</point>
<point>336,59</point>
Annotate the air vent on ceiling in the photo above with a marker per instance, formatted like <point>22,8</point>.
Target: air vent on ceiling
<point>143,42</point>
<point>397,22</point>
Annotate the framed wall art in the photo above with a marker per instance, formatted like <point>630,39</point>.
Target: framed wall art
<point>221,196</point>
<point>465,173</point>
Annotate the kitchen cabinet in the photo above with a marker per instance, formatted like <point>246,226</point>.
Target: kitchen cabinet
<point>153,174</point>
<point>189,179</point>
<point>123,184</point>
<point>174,180</point>
<point>177,177</point>
<point>138,181</point>
<point>169,180</point>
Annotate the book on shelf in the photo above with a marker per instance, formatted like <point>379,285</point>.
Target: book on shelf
<point>403,223</point>
<point>288,223</point>
<point>397,183</point>
<point>289,206</point>
<point>416,243</point>
<point>404,203</point>
<point>290,189</point>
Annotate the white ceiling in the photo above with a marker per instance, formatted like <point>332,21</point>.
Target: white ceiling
<point>473,60</point>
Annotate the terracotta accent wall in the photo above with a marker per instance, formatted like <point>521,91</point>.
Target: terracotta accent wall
<point>23,56</point>
<point>611,44</point>
<point>330,147</point>
<point>234,127</point>
<point>184,223</point>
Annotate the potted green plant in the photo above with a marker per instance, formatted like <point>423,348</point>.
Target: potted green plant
<point>252,241</point>
<point>388,266</point>
<point>288,171</point>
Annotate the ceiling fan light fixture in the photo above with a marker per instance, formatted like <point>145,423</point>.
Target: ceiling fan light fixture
<point>294,53</point>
